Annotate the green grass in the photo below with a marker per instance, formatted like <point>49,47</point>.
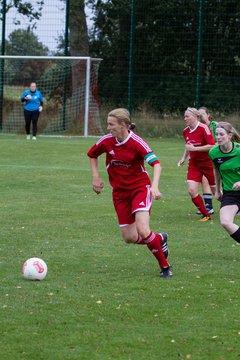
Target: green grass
<point>103,299</point>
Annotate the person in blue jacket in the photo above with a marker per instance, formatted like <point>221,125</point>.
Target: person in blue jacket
<point>33,105</point>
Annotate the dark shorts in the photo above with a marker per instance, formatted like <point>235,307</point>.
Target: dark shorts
<point>231,198</point>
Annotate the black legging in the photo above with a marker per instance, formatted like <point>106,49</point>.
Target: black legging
<point>31,116</point>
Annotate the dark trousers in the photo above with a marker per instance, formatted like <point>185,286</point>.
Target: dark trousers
<point>31,117</point>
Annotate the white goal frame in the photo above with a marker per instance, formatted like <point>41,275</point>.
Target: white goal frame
<point>88,69</point>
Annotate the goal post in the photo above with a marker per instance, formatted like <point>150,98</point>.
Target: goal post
<point>69,85</point>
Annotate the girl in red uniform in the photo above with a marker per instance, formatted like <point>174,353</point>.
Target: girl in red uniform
<point>199,140</point>
<point>207,118</point>
<point>132,189</point>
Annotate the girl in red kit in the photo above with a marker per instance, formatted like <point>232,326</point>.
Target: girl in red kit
<point>132,189</point>
<point>199,140</point>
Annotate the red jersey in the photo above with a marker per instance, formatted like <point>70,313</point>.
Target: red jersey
<point>199,136</point>
<point>125,160</point>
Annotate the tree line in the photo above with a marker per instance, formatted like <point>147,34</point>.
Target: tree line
<point>166,55</point>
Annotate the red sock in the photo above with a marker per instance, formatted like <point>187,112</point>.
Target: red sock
<point>153,242</point>
<point>199,203</point>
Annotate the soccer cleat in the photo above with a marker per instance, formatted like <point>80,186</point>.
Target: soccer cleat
<point>210,211</point>
<point>166,272</point>
<point>205,218</point>
<point>28,137</point>
<point>164,245</point>
<point>34,138</point>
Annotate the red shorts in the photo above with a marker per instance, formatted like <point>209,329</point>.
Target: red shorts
<point>128,202</point>
<point>196,171</point>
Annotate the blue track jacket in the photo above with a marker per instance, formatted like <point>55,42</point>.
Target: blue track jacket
<point>35,101</point>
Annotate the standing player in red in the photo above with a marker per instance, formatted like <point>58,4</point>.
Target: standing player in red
<point>199,140</point>
<point>132,189</point>
<point>206,118</point>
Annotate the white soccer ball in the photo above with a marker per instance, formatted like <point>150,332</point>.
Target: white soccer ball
<point>34,269</point>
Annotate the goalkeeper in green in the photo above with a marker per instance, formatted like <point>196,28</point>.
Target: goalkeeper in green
<point>226,161</point>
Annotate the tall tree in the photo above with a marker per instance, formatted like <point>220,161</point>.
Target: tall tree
<point>109,39</point>
<point>79,46</point>
<point>26,9</point>
<point>24,42</point>
<point>78,41</point>
<point>78,33</point>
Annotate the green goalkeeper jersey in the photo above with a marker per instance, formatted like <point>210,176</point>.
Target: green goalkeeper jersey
<point>213,125</point>
<point>228,165</point>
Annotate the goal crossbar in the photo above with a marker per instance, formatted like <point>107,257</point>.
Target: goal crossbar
<point>49,57</point>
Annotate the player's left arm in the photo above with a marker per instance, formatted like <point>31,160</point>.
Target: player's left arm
<point>203,148</point>
<point>41,98</point>
<point>153,161</point>
<point>209,140</point>
<point>218,193</point>
<point>155,182</point>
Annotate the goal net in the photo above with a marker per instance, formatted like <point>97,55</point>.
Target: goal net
<point>69,86</point>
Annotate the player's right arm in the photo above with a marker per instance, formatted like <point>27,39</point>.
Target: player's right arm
<point>97,183</point>
<point>184,157</point>
<point>93,154</point>
<point>218,193</point>
<point>23,96</point>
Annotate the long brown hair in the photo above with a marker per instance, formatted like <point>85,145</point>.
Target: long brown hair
<point>230,130</point>
<point>207,112</point>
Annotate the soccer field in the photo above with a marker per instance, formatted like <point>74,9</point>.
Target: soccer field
<point>104,299</point>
